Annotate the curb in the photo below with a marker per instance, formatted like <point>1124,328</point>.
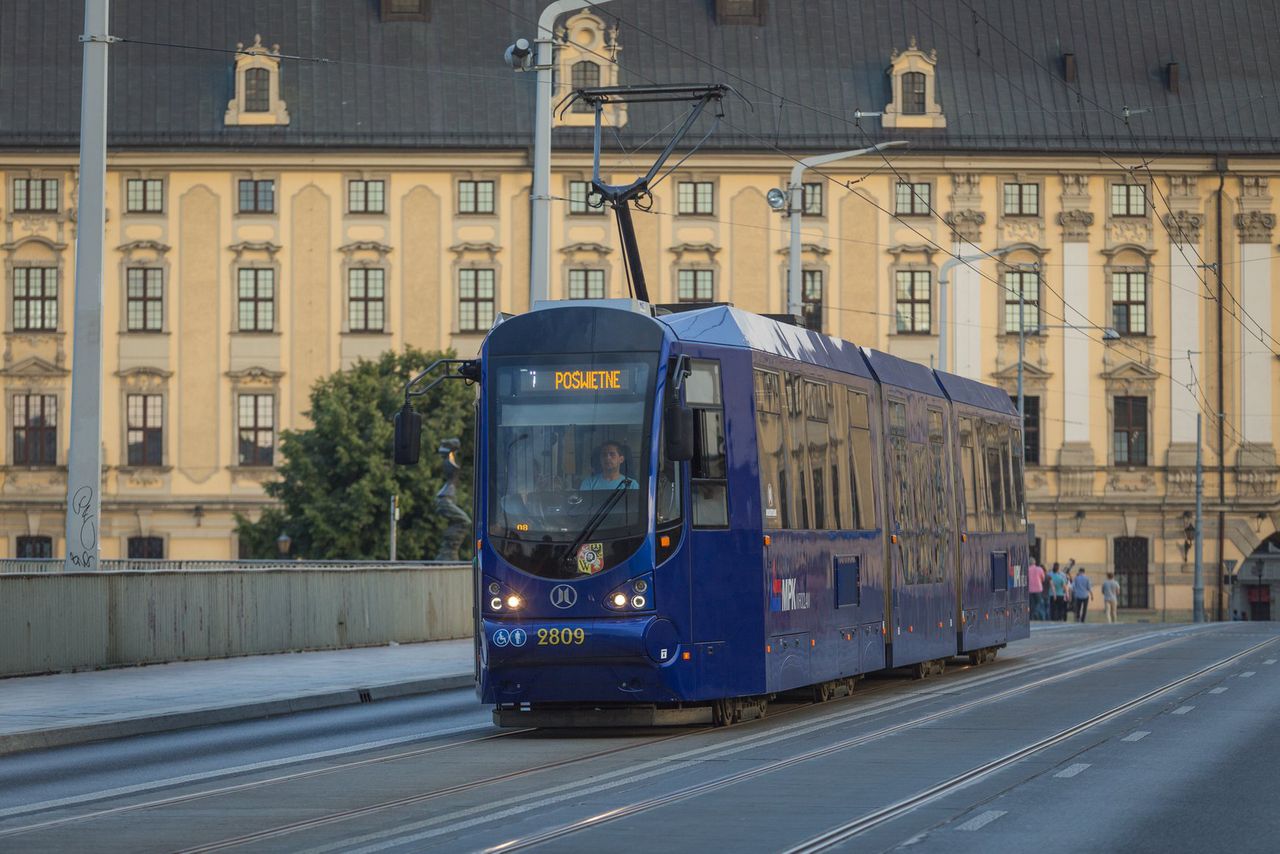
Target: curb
<point>20,742</point>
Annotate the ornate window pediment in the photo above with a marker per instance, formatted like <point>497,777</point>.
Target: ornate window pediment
<point>587,57</point>
<point>914,100</point>
<point>257,98</point>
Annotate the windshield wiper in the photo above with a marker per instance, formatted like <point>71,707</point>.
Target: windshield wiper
<point>597,519</point>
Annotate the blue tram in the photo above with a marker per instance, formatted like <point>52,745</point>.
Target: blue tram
<point>680,516</point>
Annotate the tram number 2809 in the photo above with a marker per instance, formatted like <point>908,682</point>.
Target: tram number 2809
<point>561,637</point>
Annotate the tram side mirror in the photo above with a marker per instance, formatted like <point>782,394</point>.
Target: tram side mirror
<point>677,426</point>
<point>408,440</point>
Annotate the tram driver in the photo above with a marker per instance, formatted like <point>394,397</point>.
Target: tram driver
<point>611,458</point>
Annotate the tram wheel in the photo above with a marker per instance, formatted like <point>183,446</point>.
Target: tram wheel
<point>922,670</point>
<point>939,666</point>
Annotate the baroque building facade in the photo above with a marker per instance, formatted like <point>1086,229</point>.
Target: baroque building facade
<point>281,242</point>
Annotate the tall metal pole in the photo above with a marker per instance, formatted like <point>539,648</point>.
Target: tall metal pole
<point>395,516</point>
<point>1022,345</point>
<point>84,460</point>
<point>540,250</point>
<point>795,208</point>
<point>1197,587</point>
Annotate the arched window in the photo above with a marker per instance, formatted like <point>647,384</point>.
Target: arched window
<point>913,99</point>
<point>257,90</point>
<point>583,75</point>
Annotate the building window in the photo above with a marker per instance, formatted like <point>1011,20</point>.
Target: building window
<point>145,429</point>
<point>257,300</point>
<point>366,197</point>
<point>35,298</point>
<point>1129,303</point>
<point>475,197</point>
<point>695,197</point>
<point>1128,200</point>
<point>404,10</point>
<point>1031,426</point>
<point>257,196</point>
<point>146,548</point>
<point>1129,435</point>
<point>1027,286</point>
<point>584,75</point>
<point>366,300</point>
<point>256,423</point>
<point>144,295</point>
<point>586,284</point>
<point>1022,199</point>
<point>475,300</point>
<point>913,199</point>
<point>914,301</point>
<point>35,430</point>
<point>35,547</point>
<point>581,198</point>
<point>913,83</point>
<point>257,90</point>
<point>35,195</point>
<point>811,299</point>
<point>1129,557</point>
<point>695,285</point>
<point>144,195</point>
<point>812,199</point>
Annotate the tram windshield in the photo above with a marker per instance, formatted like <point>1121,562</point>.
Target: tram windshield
<point>568,459</point>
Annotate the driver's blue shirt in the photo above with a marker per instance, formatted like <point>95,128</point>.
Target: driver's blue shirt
<point>597,481</point>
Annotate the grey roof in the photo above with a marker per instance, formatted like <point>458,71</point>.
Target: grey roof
<point>441,83</point>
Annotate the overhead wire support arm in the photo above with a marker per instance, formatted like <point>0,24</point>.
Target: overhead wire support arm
<point>620,196</point>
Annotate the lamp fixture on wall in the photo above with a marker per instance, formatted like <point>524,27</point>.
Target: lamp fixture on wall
<point>198,513</point>
<point>1079,520</point>
<point>1188,533</point>
<point>1258,519</point>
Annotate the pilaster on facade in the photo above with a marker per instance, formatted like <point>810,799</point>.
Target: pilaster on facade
<point>1255,332</point>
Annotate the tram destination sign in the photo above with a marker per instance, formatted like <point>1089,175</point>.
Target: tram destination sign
<point>569,380</point>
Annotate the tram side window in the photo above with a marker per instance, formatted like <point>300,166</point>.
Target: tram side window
<point>817,434</point>
<point>1019,486</point>
<point>969,488</point>
<point>1010,450</point>
<point>773,495</point>
<point>904,486</point>
<point>864,509</point>
<point>841,463</point>
<point>937,498</point>
<point>996,480</point>
<point>708,471</point>
<point>797,478</point>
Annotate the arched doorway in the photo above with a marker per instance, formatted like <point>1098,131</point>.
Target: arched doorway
<point>1257,583</point>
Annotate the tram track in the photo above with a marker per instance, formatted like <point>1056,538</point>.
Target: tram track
<point>844,832</point>
<point>475,816</point>
<point>742,742</point>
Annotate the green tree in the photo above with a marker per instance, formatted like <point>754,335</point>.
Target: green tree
<point>337,477</point>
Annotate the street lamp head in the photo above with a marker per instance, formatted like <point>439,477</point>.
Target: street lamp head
<point>519,55</point>
<point>283,542</point>
<point>777,199</point>
<point>1110,334</point>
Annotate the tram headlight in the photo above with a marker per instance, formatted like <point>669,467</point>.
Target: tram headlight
<point>619,600</point>
<point>640,586</point>
<point>495,588</point>
<point>638,602</point>
<point>514,602</point>
<point>496,603</point>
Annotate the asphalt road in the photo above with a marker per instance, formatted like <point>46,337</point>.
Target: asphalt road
<point>1136,738</point>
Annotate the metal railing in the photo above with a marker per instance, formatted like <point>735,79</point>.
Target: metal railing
<point>33,566</point>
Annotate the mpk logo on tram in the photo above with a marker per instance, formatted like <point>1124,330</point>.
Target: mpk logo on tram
<point>563,596</point>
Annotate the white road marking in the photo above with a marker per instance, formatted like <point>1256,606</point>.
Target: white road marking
<point>1219,690</point>
<point>980,821</point>
<point>1247,674</point>
<point>1137,736</point>
<point>1182,710</point>
<point>1072,770</point>
<point>1269,661</point>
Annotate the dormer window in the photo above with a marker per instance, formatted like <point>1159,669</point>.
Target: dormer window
<point>914,95</point>
<point>585,75</point>
<point>257,98</point>
<point>587,57</point>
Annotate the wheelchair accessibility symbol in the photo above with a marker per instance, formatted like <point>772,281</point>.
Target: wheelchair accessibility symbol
<point>518,637</point>
<point>502,637</point>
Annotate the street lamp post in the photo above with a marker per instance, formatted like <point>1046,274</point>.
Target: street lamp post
<point>540,249</point>
<point>795,208</point>
<point>944,348</point>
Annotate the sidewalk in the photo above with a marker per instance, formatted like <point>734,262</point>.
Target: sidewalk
<point>71,708</point>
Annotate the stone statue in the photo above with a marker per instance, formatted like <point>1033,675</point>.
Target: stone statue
<point>446,508</point>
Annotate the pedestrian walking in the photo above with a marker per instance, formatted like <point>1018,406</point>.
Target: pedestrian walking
<point>1035,587</point>
<point>1057,593</point>
<point>1111,596</point>
<point>1068,602</point>
<point>1082,592</point>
